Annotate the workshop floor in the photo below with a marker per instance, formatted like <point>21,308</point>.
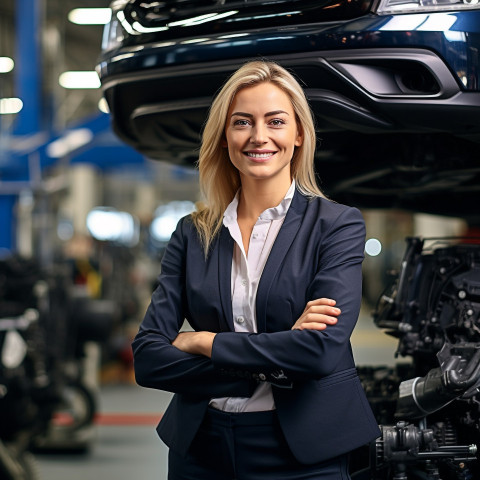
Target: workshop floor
<point>126,445</point>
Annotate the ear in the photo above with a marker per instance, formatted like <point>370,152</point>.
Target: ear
<point>299,138</point>
<point>223,142</point>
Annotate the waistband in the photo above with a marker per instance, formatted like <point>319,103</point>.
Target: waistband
<point>231,419</point>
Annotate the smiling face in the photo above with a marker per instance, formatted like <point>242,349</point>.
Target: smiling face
<point>261,134</point>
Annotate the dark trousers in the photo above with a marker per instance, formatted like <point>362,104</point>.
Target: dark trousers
<point>247,446</point>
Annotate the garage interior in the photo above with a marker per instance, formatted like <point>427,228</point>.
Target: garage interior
<point>81,209</point>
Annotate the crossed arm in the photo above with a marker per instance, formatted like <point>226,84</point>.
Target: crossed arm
<point>192,362</point>
<point>317,315</point>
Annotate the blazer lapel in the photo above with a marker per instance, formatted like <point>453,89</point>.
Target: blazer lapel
<point>282,243</point>
<point>225,255</point>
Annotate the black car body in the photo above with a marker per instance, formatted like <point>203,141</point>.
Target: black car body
<point>395,87</point>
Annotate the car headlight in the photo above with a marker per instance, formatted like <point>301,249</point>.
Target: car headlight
<point>114,31</point>
<point>411,6</point>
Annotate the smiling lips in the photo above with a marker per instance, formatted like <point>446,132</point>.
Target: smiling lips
<point>260,156</point>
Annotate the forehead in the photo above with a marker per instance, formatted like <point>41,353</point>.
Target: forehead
<point>263,96</point>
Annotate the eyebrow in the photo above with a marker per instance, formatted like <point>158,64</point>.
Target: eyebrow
<point>249,115</point>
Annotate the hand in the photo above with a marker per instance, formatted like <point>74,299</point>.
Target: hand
<point>196,343</point>
<point>318,315</point>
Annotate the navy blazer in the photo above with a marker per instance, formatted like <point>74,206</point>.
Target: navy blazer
<point>321,406</point>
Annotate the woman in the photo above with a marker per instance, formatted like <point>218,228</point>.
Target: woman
<point>265,385</point>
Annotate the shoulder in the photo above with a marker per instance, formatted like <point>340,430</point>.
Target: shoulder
<point>339,229</point>
<point>182,235</point>
<point>186,227</point>
<point>328,212</point>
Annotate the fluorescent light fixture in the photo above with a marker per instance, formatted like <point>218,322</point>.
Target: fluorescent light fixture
<point>10,105</point>
<point>69,142</point>
<point>90,16</point>
<point>167,217</point>
<point>88,79</point>
<point>108,224</point>
<point>6,64</point>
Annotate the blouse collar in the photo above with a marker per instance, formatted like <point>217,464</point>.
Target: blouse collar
<point>273,213</point>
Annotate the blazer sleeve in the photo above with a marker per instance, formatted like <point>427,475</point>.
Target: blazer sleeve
<point>157,363</point>
<point>304,354</point>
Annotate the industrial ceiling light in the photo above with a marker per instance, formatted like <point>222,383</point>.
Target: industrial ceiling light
<point>10,105</point>
<point>6,64</point>
<point>86,79</point>
<point>90,16</point>
<point>109,225</point>
<point>70,141</point>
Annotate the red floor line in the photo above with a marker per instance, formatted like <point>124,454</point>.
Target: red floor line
<point>127,418</point>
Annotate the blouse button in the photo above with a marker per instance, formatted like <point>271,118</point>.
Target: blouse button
<point>244,283</point>
<point>240,319</point>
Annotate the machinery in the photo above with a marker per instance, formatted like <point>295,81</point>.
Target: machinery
<point>429,410</point>
<point>45,403</point>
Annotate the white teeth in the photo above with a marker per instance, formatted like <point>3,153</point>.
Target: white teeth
<point>260,155</point>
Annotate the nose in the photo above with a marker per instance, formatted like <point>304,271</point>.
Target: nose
<point>259,134</point>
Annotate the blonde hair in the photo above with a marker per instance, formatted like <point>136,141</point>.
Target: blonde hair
<point>219,179</point>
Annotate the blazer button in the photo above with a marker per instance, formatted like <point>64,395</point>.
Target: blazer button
<point>262,377</point>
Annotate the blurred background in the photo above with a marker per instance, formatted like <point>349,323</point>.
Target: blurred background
<point>84,220</point>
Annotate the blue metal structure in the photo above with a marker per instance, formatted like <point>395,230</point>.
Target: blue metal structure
<point>31,134</point>
<point>28,71</point>
<point>28,86</point>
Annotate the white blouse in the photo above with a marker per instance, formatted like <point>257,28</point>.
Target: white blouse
<point>246,274</point>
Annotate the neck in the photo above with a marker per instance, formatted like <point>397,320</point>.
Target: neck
<point>256,197</point>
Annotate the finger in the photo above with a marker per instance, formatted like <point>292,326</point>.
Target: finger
<point>322,301</point>
<point>321,320</point>
<point>323,309</point>
<point>317,318</point>
<point>310,326</point>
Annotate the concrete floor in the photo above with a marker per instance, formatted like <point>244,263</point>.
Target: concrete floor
<point>126,445</point>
